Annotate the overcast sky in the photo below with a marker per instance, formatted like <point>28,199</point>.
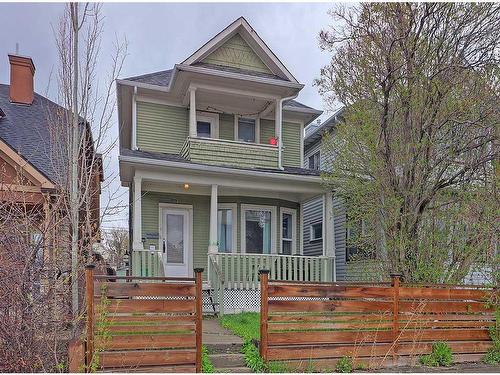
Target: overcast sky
<point>161,35</point>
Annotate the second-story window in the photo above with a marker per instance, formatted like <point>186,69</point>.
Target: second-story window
<point>246,130</point>
<point>203,129</point>
<point>314,161</point>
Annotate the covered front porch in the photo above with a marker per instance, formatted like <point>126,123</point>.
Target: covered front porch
<point>230,224</point>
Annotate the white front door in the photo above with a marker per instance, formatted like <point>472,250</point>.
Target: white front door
<point>176,233</point>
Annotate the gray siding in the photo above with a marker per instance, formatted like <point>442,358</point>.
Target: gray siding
<point>339,218</point>
<point>311,150</point>
<point>313,213</point>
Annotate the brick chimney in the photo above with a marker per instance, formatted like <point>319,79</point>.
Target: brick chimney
<point>22,71</point>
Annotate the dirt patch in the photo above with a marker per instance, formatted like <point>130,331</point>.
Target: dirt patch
<point>469,367</point>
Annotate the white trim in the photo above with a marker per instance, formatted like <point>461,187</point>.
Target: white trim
<point>234,208</point>
<point>302,144</point>
<point>134,119</point>
<point>250,207</point>
<point>210,117</point>
<point>189,209</point>
<point>293,212</point>
<point>137,212</point>
<point>301,228</point>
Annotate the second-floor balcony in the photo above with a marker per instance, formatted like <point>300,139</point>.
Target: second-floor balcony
<point>230,153</point>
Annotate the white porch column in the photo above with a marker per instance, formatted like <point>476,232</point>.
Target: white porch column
<point>137,211</point>
<point>277,128</point>
<point>212,244</point>
<point>328,226</point>
<point>192,112</point>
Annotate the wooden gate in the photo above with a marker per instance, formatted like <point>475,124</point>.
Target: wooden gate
<point>376,325</point>
<point>144,324</point>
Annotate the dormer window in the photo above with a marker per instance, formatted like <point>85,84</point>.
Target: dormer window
<point>246,130</point>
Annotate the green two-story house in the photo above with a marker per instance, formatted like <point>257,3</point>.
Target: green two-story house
<point>212,154</point>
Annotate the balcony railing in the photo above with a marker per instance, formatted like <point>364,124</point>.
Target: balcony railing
<point>147,263</point>
<point>240,271</point>
<point>230,153</point>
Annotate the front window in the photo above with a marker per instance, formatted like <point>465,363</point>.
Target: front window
<point>258,231</point>
<point>246,130</point>
<point>287,234</point>
<point>314,161</point>
<point>203,129</point>
<point>316,231</point>
<point>225,230</point>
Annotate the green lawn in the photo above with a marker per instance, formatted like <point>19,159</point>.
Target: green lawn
<point>246,325</point>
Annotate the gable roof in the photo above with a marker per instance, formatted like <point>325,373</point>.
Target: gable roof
<point>242,27</point>
<point>28,131</point>
<point>314,132</point>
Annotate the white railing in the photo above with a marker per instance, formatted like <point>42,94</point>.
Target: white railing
<point>147,263</point>
<point>240,271</point>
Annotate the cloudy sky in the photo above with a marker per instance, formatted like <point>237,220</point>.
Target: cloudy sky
<point>160,35</point>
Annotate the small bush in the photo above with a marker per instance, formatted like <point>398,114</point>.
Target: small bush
<point>441,355</point>
<point>344,365</point>
<point>492,357</point>
<point>253,359</point>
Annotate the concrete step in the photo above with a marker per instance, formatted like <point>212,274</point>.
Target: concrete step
<point>227,360</point>
<point>234,348</point>
<point>234,370</point>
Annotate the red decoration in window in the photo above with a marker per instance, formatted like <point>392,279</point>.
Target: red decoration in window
<point>273,141</point>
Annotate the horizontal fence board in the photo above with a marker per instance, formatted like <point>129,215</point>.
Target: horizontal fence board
<point>337,318</point>
<point>444,334</point>
<point>147,358</point>
<point>148,319</point>
<point>328,326</point>
<point>328,337</point>
<point>327,291</point>
<point>157,328</point>
<point>177,369</point>
<point>133,289</point>
<point>446,294</point>
<point>410,316</point>
<point>445,306</point>
<point>345,306</point>
<point>441,324</point>
<point>150,306</point>
<point>123,342</point>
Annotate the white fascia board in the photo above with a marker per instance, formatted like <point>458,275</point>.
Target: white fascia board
<point>240,76</point>
<point>303,110</point>
<point>216,169</point>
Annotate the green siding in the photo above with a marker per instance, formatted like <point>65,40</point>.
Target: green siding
<point>226,126</point>
<point>266,130</point>
<point>201,218</point>
<point>161,128</point>
<point>237,53</point>
<point>231,154</point>
<point>291,144</point>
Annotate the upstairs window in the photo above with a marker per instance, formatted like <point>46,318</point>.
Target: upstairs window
<point>246,130</point>
<point>203,129</point>
<point>314,161</point>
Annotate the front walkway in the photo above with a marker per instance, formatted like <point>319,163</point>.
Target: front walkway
<point>224,348</point>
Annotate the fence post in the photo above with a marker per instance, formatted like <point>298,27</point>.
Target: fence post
<point>264,279</point>
<point>395,278</point>
<point>199,316</point>
<point>89,297</point>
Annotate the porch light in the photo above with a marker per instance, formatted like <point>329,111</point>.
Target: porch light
<point>186,186</point>
<point>273,141</point>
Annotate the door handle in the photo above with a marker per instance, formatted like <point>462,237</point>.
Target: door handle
<point>164,247</point>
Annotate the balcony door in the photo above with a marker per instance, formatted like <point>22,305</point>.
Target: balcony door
<point>176,241</point>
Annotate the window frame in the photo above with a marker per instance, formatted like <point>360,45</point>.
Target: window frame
<point>257,128</point>
<point>313,156</point>
<point>213,119</point>
<point>311,231</point>
<point>234,208</point>
<point>253,207</point>
<point>293,213</point>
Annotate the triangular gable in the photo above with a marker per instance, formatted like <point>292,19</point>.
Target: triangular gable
<point>236,53</point>
<point>29,174</point>
<point>236,42</point>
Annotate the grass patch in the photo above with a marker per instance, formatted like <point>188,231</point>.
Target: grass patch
<point>245,325</point>
<point>207,366</point>
<point>344,365</point>
<point>441,355</point>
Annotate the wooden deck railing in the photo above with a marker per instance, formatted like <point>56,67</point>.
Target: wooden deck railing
<point>377,325</point>
<point>240,271</point>
<point>147,263</point>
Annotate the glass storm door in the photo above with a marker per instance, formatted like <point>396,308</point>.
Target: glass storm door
<point>176,242</point>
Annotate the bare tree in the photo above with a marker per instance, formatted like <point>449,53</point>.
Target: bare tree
<point>415,153</point>
<point>115,243</point>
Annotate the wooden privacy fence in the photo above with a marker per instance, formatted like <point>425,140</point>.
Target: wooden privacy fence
<point>377,325</point>
<point>144,324</point>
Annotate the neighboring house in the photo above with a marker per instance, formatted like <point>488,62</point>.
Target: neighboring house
<point>314,209</point>
<point>34,169</point>
<point>212,152</point>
